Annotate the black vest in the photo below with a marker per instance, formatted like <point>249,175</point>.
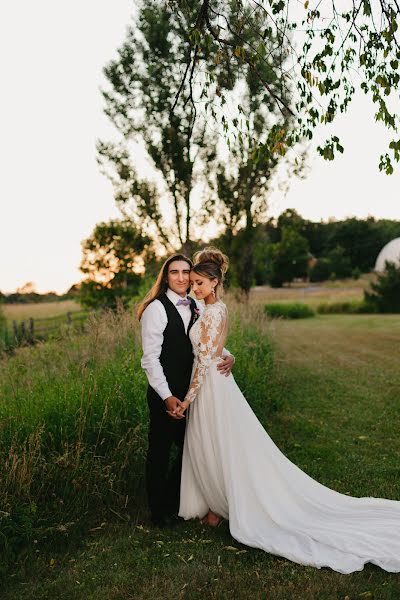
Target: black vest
<point>176,356</point>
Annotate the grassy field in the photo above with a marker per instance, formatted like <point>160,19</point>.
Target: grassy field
<point>342,290</point>
<point>336,383</point>
<point>73,420</point>
<point>39,310</point>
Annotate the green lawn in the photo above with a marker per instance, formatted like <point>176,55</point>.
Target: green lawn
<point>336,381</point>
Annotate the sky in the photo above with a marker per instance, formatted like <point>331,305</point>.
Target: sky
<point>52,193</point>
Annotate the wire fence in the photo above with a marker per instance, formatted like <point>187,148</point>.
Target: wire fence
<point>31,331</point>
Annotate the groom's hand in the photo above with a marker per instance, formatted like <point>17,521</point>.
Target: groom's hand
<point>226,364</point>
<point>172,404</point>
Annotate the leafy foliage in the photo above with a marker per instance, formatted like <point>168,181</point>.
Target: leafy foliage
<point>362,38</point>
<point>143,81</point>
<point>288,258</point>
<point>360,240</point>
<point>334,265</point>
<point>181,142</point>
<point>113,260</point>
<point>384,295</point>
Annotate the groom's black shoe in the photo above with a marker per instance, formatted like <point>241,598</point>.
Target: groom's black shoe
<point>166,521</point>
<point>159,521</point>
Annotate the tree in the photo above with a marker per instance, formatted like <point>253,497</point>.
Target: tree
<point>359,240</point>
<point>261,253</point>
<point>363,38</point>
<point>27,288</point>
<point>143,81</point>
<point>114,258</point>
<point>73,292</point>
<point>288,258</point>
<point>143,103</point>
<point>321,270</point>
<point>335,265</point>
<point>290,218</point>
<point>243,173</point>
<point>384,293</point>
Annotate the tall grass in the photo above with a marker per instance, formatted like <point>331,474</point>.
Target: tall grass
<point>71,427</point>
<point>73,422</point>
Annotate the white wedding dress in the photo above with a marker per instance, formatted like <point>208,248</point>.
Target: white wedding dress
<point>232,466</point>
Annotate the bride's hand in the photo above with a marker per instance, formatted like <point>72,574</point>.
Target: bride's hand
<point>183,406</point>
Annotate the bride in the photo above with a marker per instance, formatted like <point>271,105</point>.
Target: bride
<point>232,469</point>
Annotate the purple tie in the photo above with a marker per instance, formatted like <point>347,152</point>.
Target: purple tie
<point>183,302</point>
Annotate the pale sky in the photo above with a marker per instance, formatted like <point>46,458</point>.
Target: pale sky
<point>51,191</point>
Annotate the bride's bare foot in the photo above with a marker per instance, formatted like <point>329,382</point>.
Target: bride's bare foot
<point>211,519</point>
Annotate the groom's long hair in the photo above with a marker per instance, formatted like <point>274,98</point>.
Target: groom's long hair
<point>160,285</point>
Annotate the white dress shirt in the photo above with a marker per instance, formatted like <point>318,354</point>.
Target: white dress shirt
<point>154,321</point>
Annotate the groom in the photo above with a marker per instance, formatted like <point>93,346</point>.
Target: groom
<point>167,315</point>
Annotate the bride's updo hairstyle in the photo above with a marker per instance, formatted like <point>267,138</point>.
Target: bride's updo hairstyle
<point>213,264</point>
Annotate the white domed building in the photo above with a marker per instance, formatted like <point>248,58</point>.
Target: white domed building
<point>390,252</point>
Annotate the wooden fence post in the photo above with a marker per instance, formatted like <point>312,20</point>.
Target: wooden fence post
<point>31,330</point>
<point>15,330</point>
<point>69,318</point>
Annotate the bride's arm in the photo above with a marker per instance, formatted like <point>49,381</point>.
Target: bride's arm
<point>212,328</point>
<point>227,358</point>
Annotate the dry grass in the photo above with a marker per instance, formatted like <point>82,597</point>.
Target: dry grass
<point>314,293</point>
<point>21,312</point>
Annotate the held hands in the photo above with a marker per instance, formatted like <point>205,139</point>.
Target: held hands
<point>173,407</point>
<point>226,364</point>
<point>181,409</point>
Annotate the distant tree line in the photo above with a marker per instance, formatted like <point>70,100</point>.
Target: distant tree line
<point>119,262</point>
<point>291,247</point>
<point>22,296</point>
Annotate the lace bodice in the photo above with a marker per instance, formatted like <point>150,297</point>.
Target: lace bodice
<point>208,336</point>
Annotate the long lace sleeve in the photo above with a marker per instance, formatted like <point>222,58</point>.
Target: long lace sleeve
<point>210,345</point>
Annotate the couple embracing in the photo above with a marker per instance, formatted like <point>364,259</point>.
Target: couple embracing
<point>226,465</point>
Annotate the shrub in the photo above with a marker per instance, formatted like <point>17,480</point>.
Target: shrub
<point>351,308</point>
<point>384,294</point>
<point>294,310</point>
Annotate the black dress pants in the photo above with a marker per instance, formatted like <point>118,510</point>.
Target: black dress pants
<point>163,476</point>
